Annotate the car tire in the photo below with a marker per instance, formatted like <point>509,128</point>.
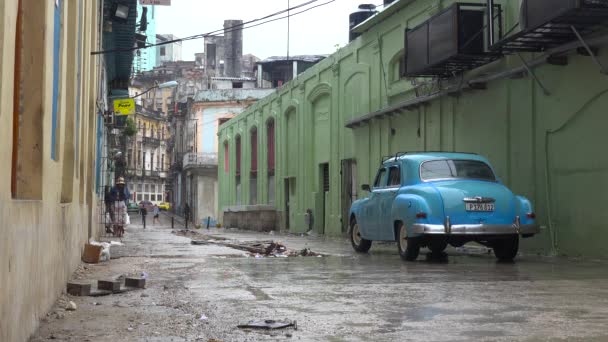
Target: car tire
<point>360,245</point>
<point>506,249</point>
<point>409,248</point>
<point>437,244</point>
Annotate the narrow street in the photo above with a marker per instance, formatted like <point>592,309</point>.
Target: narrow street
<point>202,292</point>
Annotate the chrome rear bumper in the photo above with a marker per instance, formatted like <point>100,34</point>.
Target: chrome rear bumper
<point>476,229</point>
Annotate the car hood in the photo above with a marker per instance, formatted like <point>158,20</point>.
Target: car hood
<point>454,192</point>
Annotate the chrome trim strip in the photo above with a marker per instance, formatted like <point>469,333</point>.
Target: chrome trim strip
<point>478,199</point>
<point>475,229</point>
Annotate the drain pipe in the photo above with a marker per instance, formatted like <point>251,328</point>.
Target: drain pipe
<point>490,5</point>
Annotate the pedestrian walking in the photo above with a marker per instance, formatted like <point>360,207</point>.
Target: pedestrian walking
<point>143,212</point>
<point>187,214</point>
<point>156,212</point>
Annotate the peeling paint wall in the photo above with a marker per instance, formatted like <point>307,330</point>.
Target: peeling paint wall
<point>42,239</point>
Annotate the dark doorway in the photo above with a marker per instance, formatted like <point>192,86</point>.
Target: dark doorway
<point>324,173</point>
<point>348,172</point>
<point>290,200</point>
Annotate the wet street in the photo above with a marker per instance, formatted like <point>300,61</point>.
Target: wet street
<point>202,292</point>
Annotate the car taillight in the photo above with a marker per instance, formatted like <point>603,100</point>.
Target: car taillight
<point>421,215</point>
<point>531,215</point>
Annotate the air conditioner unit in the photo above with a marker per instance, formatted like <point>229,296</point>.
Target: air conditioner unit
<point>545,24</point>
<point>450,42</point>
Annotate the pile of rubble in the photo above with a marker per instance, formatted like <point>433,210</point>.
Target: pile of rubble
<point>260,249</point>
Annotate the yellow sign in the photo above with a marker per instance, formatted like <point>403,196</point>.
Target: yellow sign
<point>124,107</point>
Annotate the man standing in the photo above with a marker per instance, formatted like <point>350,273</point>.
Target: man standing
<point>120,191</point>
<point>119,195</point>
<point>143,211</point>
<point>156,213</point>
<point>187,214</point>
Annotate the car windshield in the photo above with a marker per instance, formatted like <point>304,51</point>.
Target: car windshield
<point>456,169</point>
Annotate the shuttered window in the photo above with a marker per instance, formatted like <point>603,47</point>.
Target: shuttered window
<point>226,157</point>
<point>238,156</point>
<point>270,132</point>
<point>254,151</point>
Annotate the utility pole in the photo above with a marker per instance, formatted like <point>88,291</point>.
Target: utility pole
<point>288,22</point>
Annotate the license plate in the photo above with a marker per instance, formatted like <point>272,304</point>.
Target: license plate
<point>479,206</point>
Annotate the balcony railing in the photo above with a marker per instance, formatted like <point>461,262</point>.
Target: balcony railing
<point>192,160</point>
<point>150,141</point>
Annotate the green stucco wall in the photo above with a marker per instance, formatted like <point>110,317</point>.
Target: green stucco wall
<point>549,148</point>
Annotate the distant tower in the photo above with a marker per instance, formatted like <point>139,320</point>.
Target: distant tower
<point>233,44</point>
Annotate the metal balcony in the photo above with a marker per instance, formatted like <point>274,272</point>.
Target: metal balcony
<point>150,141</point>
<point>202,160</point>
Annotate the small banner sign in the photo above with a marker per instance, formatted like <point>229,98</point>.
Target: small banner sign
<point>124,107</point>
<point>155,2</point>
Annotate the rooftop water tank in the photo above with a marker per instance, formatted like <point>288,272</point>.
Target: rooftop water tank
<point>365,11</point>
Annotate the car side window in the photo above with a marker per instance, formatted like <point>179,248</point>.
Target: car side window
<point>394,176</point>
<point>378,183</point>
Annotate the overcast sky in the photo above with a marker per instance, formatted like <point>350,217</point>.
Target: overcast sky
<point>314,32</point>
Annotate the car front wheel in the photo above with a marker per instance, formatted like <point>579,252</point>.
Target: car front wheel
<point>360,244</point>
<point>506,249</point>
<point>409,248</point>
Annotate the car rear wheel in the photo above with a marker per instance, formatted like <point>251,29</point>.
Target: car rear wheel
<point>506,249</point>
<point>409,248</point>
<point>360,244</point>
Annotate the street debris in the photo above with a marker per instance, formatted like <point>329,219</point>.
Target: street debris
<point>260,249</point>
<point>268,324</point>
<point>203,317</point>
<point>71,306</point>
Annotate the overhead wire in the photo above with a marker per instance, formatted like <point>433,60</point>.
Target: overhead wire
<point>232,28</point>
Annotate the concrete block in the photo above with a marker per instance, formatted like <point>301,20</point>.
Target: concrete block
<point>135,282</point>
<point>109,285</point>
<point>79,289</point>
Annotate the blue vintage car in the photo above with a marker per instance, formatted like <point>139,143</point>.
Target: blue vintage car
<point>439,198</point>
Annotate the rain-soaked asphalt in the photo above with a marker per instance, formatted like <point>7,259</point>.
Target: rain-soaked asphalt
<point>340,297</point>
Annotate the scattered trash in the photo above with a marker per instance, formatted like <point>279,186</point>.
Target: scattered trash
<point>143,295</point>
<point>91,254</point>
<point>260,249</point>
<point>71,306</point>
<point>165,287</point>
<point>269,324</point>
<point>96,303</point>
<point>105,249</point>
<point>288,335</point>
<point>144,275</point>
<point>130,328</point>
<point>271,232</point>
<point>203,317</point>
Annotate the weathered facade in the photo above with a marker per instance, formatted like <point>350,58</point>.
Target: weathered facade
<point>51,92</point>
<point>147,157</point>
<point>197,179</point>
<point>543,130</point>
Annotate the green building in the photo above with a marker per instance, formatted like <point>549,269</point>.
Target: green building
<point>540,117</point>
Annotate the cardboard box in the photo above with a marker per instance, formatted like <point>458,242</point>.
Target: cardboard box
<point>91,254</point>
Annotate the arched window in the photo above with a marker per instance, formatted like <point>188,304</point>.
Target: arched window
<point>271,146</point>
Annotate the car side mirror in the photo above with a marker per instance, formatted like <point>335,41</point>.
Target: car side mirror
<point>365,187</point>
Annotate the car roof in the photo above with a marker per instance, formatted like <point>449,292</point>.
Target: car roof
<point>425,156</point>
